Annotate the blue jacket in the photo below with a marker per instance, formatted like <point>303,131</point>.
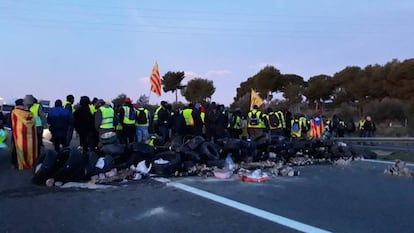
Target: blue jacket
<point>59,120</point>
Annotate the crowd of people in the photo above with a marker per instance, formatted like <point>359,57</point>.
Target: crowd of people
<point>91,119</point>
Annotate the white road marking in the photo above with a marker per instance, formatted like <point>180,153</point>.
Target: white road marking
<point>384,162</point>
<point>245,208</point>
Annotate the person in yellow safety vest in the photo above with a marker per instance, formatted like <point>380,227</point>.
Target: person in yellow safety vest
<point>92,109</point>
<point>161,121</point>
<point>255,123</point>
<point>39,116</point>
<point>127,118</point>
<point>104,118</point>
<point>274,122</point>
<point>142,124</point>
<point>296,128</point>
<point>3,136</point>
<point>68,104</point>
<point>281,116</point>
<point>361,127</point>
<point>188,117</point>
<point>235,124</point>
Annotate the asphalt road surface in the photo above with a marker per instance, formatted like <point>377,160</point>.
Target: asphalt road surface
<point>354,198</point>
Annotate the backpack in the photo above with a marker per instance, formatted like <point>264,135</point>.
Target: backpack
<point>274,121</point>
<point>296,127</point>
<point>142,117</point>
<point>254,120</point>
<point>132,114</point>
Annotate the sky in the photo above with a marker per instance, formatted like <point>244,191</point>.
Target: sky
<point>102,48</point>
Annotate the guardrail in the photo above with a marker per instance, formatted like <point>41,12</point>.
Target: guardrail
<point>381,143</point>
<point>388,140</point>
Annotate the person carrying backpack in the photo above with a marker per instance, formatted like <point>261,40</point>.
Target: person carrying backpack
<point>127,118</point>
<point>255,121</point>
<point>274,123</point>
<point>296,128</point>
<point>142,124</point>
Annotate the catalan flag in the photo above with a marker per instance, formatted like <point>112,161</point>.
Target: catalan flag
<point>155,80</point>
<point>316,128</point>
<point>255,100</point>
<point>25,138</point>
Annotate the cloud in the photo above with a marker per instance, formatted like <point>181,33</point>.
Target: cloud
<point>191,74</point>
<point>209,74</point>
<point>144,80</point>
<point>217,73</point>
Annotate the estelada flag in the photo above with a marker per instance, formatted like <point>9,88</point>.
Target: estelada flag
<point>316,128</point>
<point>155,80</point>
<point>255,100</point>
<point>25,138</point>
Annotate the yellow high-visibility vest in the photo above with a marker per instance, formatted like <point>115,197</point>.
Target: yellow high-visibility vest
<point>34,109</point>
<point>107,117</point>
<point>126,120</point>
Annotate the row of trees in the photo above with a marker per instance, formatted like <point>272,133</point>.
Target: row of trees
<point>352,85</point>
<point>196,90</point>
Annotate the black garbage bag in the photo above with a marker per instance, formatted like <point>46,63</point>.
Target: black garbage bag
<point>208,151</point>
<point>231,144</point>
<point>74,169</point>
<point>166,163</point>
<point>190,155</point>
<point>45,167</point>
<point>115,150</point>
<point>195,142</point>
<point>94,168</point>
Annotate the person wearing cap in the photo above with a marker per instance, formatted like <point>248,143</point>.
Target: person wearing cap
<point>39,116</point>
<point>59,120</point>
<point>104,118</point>
<point>127,118</point>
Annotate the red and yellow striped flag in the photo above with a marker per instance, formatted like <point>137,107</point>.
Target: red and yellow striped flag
<point>155,80</point>
<point>25,138</point>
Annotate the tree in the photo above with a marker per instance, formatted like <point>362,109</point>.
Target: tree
<point>171,81</point>
<point>268,79</point>
<point>401,80</point>
<point>199,90</point>
<point>319,88</point>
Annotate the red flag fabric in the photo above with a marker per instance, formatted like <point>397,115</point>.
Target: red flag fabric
<point>316,128</point>
<point>155,80</point>
<point>25,138</point>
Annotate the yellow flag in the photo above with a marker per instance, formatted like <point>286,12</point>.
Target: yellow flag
<point>255,100</point>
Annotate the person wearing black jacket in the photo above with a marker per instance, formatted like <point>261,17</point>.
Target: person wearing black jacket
<point>198,122</point>
<point>84,125</point>
<point>161,125</point>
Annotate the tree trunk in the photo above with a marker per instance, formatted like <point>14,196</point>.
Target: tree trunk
<point>176,96</point>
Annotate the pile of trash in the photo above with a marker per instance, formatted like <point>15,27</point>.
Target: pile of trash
<point>399,169</point>
<point>115,162</point>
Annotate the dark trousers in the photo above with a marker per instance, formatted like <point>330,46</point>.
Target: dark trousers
<point>235,133</point>
<point>128,134</point>
<point>69,136</point>
<point>39,133</point>
<point>59,141</point>
<point>163,132</point>
<point>86,141</point>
